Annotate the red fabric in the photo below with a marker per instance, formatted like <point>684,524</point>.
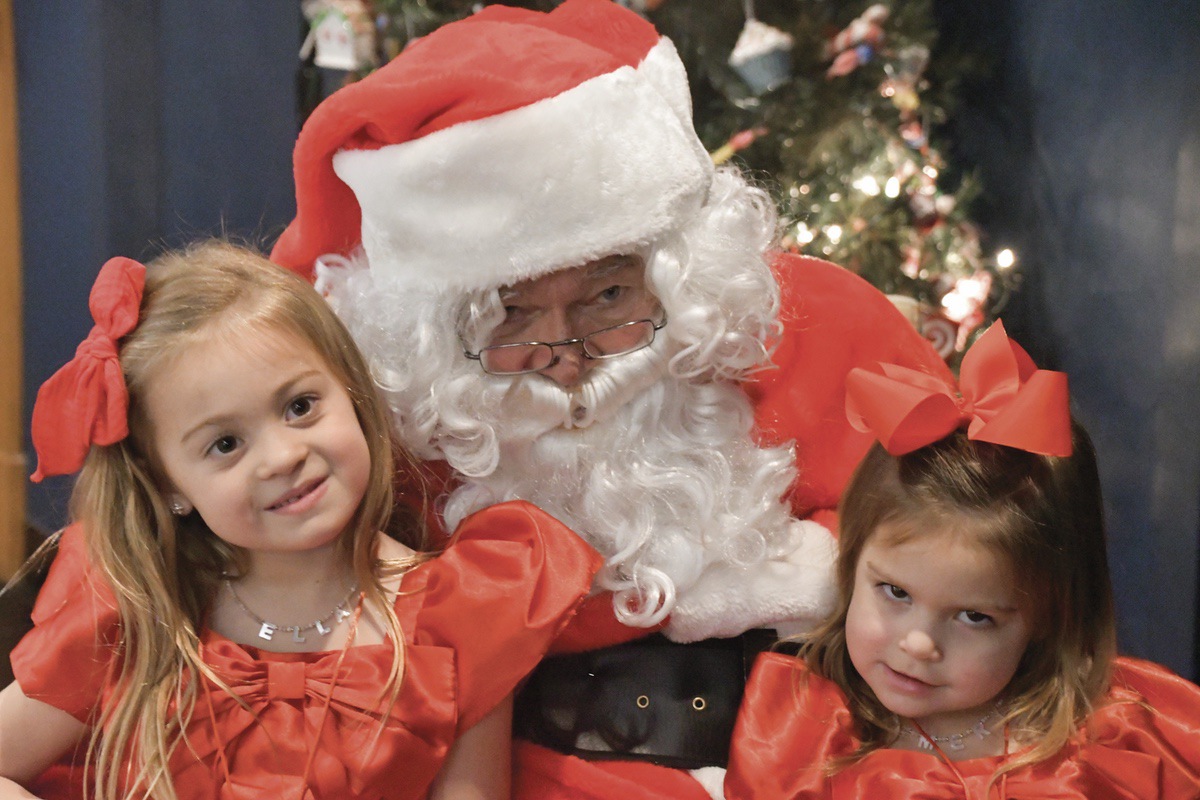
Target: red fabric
<point>833,322</point>
<point>477,619</point>
<point>547,775</point>
<point>1002,398</point>
<point>75,624</point>
<point>462,72</point>
<point>1142,743</point>
<point>85,402</point>
<point>596,626</point>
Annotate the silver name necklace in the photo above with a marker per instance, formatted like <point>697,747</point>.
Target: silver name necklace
<point>955,741</point>
<point>267,630</point>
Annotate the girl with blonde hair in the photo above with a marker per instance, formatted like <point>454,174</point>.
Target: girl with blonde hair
<point>225,618</point>
<point>972,651</point>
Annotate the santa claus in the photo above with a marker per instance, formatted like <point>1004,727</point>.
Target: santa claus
<point>565,303</point>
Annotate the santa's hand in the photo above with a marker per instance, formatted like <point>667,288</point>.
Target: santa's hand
<point>794,593</point>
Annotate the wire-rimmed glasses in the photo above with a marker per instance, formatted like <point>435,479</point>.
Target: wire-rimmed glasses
<point>522,357</point>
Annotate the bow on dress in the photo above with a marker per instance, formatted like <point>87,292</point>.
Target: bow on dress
<point>86,401</point>
<point>307,728</point>
<point>1001,398</point>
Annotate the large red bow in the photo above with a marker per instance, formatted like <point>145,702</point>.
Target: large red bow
<point>1002,398</point>
<point>86,402</point>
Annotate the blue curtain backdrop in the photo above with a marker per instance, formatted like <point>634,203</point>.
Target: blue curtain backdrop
<point>143,123</point>
<point>147,123</point>
<point>1087,135</point>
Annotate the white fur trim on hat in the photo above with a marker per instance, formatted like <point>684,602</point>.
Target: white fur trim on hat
<point>606,166</point>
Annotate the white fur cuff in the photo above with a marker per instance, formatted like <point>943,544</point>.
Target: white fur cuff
<point>797,592</point>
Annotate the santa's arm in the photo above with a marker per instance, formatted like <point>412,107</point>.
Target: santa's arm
<point>832,321</point>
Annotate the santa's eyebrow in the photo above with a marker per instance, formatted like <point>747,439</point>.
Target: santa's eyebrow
<point>612,264</point>
<point>598,271</point>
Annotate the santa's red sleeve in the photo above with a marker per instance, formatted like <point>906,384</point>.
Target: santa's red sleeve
<point>832,321</point>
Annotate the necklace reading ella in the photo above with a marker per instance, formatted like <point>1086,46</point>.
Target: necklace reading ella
<point>267,630</point>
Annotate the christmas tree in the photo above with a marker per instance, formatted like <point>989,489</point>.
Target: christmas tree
<point>835,107</point>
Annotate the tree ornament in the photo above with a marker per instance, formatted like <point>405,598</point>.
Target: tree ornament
<point>913,134</point>
<point>739,141</point>
<point>857,43</point>
<point>341,35</point>
<point>867,28</point>
<point>762,55</point>
<point>904,77</point>
<point>941,333</point>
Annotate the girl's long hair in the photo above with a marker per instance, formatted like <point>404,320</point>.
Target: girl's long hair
<point>164,570</point>
<point>1040,514</point>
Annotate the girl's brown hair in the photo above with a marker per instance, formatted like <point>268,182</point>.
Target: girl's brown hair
<point>164,570</point>
<point>1044,516</point>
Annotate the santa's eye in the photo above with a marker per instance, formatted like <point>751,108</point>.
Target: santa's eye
<point>611,294</point>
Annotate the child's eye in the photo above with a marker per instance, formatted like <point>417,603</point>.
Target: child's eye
<point>975,618</point>
<point>300,406</point>
<point>893,591</point>
<point>223,445</point>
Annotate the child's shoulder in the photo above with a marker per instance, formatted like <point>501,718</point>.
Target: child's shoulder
<point>1147,733</point>
<point>1147,676</point>
<point>784,682</point>
<point>791,722</point>
<point>64,659</point>
<point>509,555</point>
<point>518,537</point>
<point>1143,690</point>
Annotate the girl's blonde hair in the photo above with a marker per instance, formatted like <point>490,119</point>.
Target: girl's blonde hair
<point>1044,516</point>
<point>164,570</point>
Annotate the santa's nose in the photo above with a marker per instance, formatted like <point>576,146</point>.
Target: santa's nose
<point>568,366</point>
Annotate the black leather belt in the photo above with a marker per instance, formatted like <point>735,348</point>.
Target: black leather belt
<point>649,700</point>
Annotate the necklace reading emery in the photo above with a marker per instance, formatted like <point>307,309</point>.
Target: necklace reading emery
<point>955,741</point>
<point>267,630</point>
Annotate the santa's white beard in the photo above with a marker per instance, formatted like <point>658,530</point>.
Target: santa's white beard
<point>659,474</point>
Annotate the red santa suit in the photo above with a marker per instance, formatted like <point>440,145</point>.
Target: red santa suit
<point>514,144</point>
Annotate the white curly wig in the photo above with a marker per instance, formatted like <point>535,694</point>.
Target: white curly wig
<point>651,458</point>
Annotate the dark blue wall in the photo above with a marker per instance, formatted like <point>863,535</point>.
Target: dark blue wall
<point>143,124</point>
<point>1087,132</point>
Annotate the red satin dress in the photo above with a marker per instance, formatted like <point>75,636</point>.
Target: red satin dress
<point>1142,743</point>
<point>476,619</point>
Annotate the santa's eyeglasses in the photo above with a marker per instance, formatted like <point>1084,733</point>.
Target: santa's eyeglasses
<point>522,357</point>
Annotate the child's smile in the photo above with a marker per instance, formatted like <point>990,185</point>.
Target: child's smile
<point>262,440</point>
<point>301,499</point>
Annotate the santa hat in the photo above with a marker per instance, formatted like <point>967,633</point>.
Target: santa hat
<point>502,147</point>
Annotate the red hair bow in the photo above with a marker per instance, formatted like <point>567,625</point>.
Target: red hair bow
<point>86,402</point>
<point>1002,398</point>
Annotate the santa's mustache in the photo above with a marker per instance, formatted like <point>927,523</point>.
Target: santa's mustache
<point>533,405</point>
